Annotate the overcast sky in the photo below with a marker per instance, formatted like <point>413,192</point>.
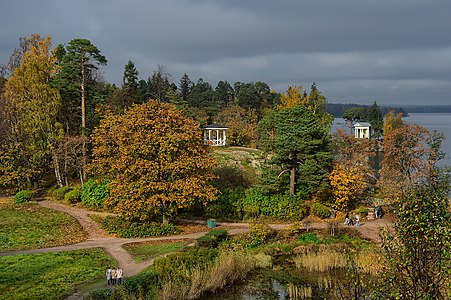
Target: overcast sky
<point>389,51</point>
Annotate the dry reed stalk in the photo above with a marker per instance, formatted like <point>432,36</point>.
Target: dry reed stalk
<point>321,261</point>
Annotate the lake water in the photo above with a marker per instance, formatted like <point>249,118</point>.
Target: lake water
<point>430,121</point>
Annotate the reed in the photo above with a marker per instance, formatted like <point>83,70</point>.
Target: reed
<point>229,268</point>
<point>328,257</point>
<point>299,292</point>
<point>321,261</point>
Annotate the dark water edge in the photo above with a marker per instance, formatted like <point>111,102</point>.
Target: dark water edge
<point>289,284</point>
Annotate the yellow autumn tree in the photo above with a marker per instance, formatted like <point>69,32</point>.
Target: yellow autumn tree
<point>392,122</point>
<point>353,175</point>
<point>294,96</point>
<point>30,107</point>
<point>314,102</point>
<point>346,186</point>
<point>155,159</point>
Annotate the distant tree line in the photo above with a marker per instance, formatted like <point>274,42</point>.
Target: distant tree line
<point>428,108</point>
<point>338,109</point>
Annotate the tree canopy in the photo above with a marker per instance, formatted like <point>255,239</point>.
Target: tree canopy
<point>30,106</point>
<point>155,159</point>
<point>411,153</point>
<point>298,146</point>
<point>418,251</point>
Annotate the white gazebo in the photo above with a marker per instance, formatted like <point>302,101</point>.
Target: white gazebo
<point>215,135</point>
<point>362,130</point>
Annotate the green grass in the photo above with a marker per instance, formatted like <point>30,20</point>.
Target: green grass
<point>145,251</point>
<point>314,238</point>
<point>30,226</point>
<point>50,275</point>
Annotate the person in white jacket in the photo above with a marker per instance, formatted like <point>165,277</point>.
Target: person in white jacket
<point>109,276</point>
<point>119,276</point>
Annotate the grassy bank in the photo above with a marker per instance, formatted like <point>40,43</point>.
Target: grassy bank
<point>144,251</point>
<point>30,226</point>
<point>50,275</point>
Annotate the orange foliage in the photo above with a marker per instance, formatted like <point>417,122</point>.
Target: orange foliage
<point>353,173</point>
<point>156,160</point>
<point>346,186</point>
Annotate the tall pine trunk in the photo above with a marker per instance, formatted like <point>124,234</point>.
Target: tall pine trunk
<point>83,120</point>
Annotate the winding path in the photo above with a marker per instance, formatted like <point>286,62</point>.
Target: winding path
<point>98,238</point>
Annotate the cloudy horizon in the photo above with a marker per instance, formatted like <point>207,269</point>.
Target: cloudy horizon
<point>392,52</point>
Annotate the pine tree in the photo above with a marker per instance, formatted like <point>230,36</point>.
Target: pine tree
<point>130,87</point>
<point>186,86</point>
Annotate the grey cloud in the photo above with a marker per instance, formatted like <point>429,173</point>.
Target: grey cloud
<point>385,50</point>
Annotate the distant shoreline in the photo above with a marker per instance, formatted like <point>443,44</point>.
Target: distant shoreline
<point>337,109</point>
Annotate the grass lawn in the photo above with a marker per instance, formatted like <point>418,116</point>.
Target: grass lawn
<point>145,251</point>
<point>50,275</point>
<point>30,226</point>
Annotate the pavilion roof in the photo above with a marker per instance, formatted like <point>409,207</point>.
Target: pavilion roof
<point>216,126</point>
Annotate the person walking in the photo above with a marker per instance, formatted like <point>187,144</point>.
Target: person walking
<point>357,220</point>
<point>347,219</point>
<point>119,276</point>
<point>109,275</point>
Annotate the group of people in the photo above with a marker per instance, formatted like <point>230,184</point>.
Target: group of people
<point>114,276</point>
<point>350,221</point>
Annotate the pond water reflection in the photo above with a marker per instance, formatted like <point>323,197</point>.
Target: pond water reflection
<point>292,284</point>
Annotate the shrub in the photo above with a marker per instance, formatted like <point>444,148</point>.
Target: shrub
<point>309,238</point>
<point>23,196</point>
<point>361,211</point>
<point>252,203</point>
<point>140,283</point>
<point>127,229</point>
<point>262,261</point>
<point>73,196</point>
<point>227,204</point>
<point>260,233</point>
<point>60,193</point>
<point>213,238</point>
<point>320,210</point>
<point>100,294</point>
<point>280,206</point>
<point>94,193</point>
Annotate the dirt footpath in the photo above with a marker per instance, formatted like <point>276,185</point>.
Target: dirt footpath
<point>98,238</point>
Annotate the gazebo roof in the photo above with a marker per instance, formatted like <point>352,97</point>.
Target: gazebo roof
<point>362,124</point>
<point>216,126</point>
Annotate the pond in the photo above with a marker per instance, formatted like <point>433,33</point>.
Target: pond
<point>292,283</point>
